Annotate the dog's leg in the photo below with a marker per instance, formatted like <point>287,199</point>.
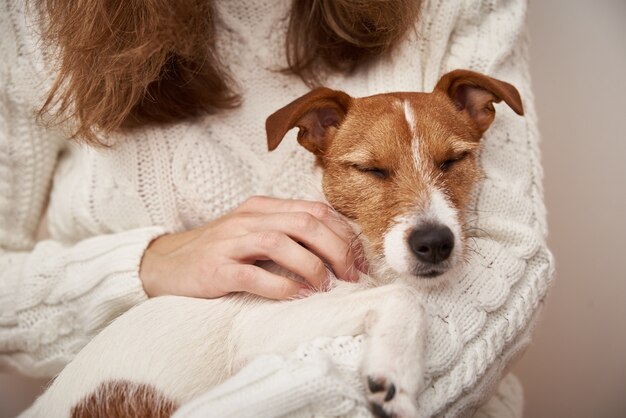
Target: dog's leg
<point>391,316</point>
<point>199,343</point>
<point>393,358</point>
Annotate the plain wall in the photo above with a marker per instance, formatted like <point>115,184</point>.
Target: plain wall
<point>576,366</point>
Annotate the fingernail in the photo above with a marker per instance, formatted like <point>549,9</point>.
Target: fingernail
<point>304,292</point>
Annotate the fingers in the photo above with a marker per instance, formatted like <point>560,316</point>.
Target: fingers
<point>217,258</point>
<point>342,261</point>
<point>323,212</point>
<point>284,251</point>
<point>316,235</point>
<point>252,279</point>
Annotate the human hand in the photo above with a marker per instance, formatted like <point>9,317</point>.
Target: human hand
<point>218,258</point>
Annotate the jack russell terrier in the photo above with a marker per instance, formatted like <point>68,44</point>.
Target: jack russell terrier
<point>400,168</point>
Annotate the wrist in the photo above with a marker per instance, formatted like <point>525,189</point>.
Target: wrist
<point>156,270</point>
<point>147,269</point>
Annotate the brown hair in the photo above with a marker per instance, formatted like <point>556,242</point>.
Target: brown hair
<point>126,63</point>
<point>341,35</point>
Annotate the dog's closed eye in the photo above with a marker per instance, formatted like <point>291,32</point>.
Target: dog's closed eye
<point>377,172</point>
<point>449,163</point>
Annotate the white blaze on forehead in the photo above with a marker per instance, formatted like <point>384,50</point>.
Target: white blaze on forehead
<point>410,120</point>
<point>410,117</point>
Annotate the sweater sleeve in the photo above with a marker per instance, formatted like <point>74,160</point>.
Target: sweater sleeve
<point>53,296</point>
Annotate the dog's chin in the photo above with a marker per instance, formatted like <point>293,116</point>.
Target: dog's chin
<point>414,273</point>
<point>429,274</point>
<point>425,276</point>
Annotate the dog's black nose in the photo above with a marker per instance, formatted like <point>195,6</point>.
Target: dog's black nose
<point>432,244</point>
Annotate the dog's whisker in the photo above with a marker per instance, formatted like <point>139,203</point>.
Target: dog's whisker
<point>476,232</point>
<point>469,210</point>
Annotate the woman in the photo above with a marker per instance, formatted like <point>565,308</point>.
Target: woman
<point>171,99</point>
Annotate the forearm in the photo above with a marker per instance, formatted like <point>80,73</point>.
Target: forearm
<point>54,298</point>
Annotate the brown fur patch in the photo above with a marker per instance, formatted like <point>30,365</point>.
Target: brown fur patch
<point>121,398</point>
<point>375,134</point>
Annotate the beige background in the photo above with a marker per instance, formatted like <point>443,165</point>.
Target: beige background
<point>576,367</point>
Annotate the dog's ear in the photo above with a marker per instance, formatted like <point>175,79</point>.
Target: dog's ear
<point>475,93</point>
<point>314,113</point>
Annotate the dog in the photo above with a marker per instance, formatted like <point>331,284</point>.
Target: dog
<point>400,168</point>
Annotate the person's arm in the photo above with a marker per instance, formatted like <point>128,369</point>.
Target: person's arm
<point>53,296</point>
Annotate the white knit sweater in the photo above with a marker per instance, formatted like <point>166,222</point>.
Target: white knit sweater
<point>104,206</point>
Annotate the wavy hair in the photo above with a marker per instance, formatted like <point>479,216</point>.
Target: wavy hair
<point>129,63</point>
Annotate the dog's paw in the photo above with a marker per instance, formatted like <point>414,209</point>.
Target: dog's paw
<point>393,377</point>
<point>392,365</point>
<point>389,397</point>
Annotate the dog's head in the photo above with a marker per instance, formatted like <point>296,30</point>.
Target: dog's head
<point>401,166</point>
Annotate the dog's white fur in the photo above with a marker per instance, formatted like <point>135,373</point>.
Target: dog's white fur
<point>203,342</point>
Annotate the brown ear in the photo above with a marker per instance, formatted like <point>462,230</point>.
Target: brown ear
<point>313,113</point>
<point>476,93</point>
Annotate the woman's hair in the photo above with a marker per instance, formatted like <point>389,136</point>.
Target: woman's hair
<point>127,63</point>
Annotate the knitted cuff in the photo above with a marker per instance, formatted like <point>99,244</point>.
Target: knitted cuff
<point>63,296</point>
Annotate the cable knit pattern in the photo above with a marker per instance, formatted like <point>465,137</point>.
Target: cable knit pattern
<point>106,205</point>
